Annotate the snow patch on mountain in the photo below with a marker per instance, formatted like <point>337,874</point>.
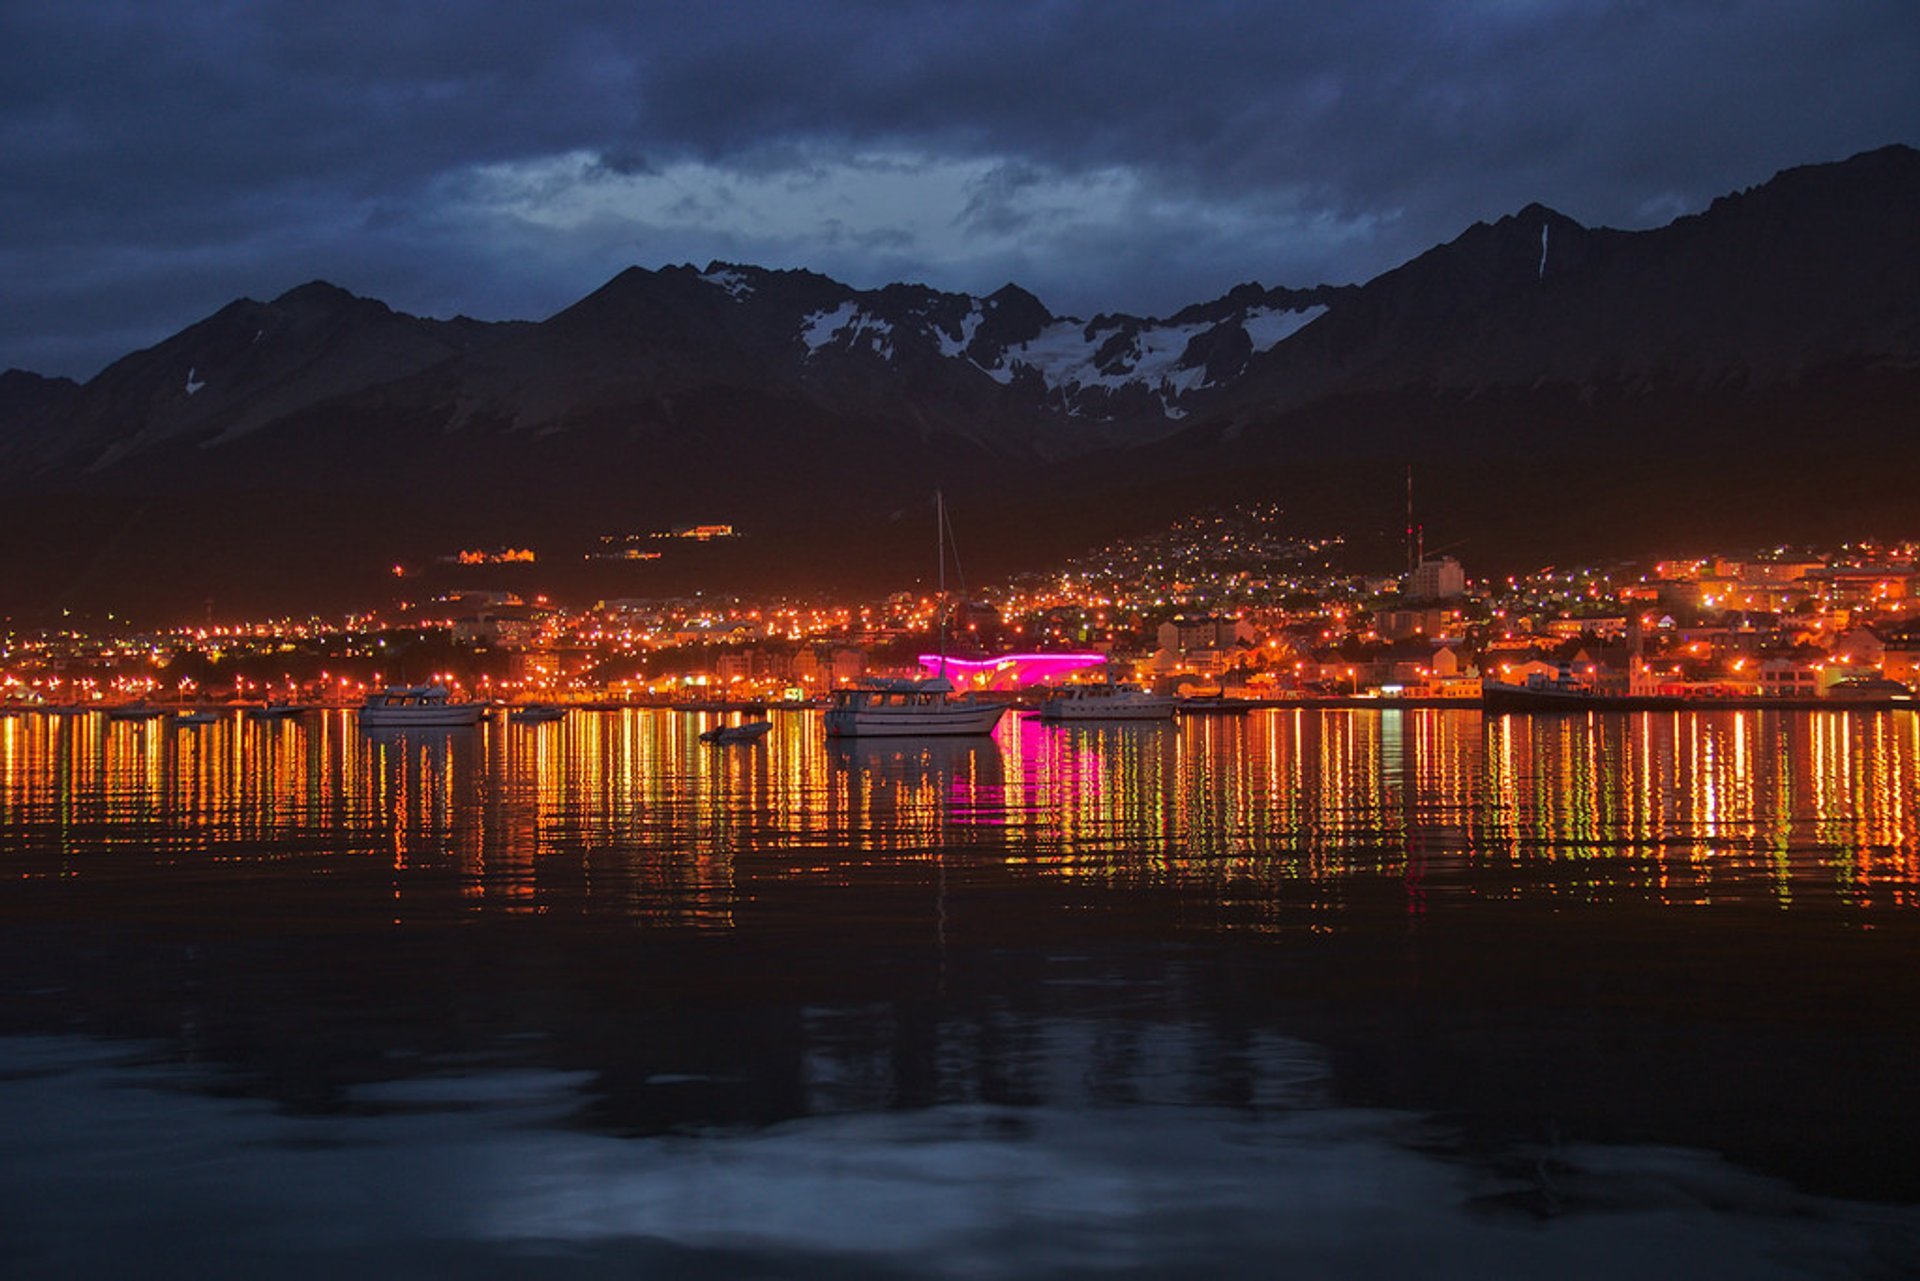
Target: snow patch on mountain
<point>847,325</point>
<point>969,325</point>
<point>735,283</point>
<point>1063,355</point>
<point>1094,370</point>
<point>818,328</point>
<point>194,384</point>
<point>1269,326</point>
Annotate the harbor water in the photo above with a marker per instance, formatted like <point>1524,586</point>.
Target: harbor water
<point>1322,993</point>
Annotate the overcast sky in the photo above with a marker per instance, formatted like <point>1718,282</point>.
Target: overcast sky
<point>159,159</point>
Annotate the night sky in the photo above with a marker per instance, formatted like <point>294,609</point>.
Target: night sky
<point>159,159</point>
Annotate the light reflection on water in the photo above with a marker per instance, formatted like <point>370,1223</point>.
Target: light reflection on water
<point>1798,809</point>
<point>1407,991</point>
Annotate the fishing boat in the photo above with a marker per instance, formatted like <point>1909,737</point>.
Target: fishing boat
<point>1106,701</point>
<point>906,707</point>
<point>418,707</point>
<point>745,732</point>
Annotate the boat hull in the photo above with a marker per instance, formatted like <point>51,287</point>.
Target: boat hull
<point>453,716</point>
<point>726,735</point>
<point>1075,711</point>
<point>913,722</point>
<point>1496,697</point>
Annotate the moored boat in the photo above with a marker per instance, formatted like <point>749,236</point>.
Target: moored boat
<point>1564,696</point>
<point>745,732</point>
<point>418,707</point>
<point>914,708</point>
<point>908,708</point>
<point>537,714</point>
<point>1213,705</point>
<point>1106,701</point>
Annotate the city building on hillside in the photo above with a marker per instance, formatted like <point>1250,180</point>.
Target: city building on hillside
<point>737,631</point>
<point>1867,588</point>
<point>1431,621</point>
<point>1183,634</point>
<point>1423,670</point>
<point>1441,579</point>
<point>829,664</point>
<point>1611,626</point>
<point>514,626</point>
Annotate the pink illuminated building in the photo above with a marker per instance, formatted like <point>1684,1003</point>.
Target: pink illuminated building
<point>1010,671</point>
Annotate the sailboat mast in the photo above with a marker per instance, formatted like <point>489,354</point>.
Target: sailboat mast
<point>940,555</point>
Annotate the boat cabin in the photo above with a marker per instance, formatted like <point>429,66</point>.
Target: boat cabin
<point>410,696</point>
<point>875,694</point>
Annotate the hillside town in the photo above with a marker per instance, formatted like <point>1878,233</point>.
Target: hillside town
<point>1225,604</point>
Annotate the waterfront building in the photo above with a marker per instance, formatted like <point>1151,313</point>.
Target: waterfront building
<point>1900,659</point>
<point>1788,678</point>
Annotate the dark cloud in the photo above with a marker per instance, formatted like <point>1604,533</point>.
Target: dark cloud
<point>159,158</point>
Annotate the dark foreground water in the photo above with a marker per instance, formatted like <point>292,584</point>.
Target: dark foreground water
<point>1314,994</point>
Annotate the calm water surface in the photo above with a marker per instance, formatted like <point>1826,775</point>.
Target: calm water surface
<point>1339,992</point>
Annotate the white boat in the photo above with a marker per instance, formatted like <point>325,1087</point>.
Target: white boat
<point>745,732</point>
<point>418,707</point>
<point>908,708</point>
<point>904,708</point>
<point>1107,701</point>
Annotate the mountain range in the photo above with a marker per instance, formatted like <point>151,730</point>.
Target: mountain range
<point>1748,372</point>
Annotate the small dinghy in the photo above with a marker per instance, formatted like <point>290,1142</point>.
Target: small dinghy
<point>745,732</point>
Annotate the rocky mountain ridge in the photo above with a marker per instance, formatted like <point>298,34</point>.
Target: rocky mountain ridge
<point>1782,319</point>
